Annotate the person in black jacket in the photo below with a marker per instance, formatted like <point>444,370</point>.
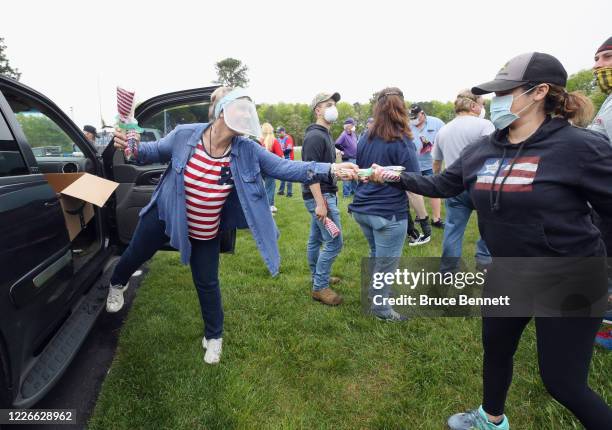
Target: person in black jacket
<point>323,247</point>
<point>531,182</point>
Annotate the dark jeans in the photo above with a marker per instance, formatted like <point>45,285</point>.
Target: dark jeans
<point>458,211</point>
<point>289,184</point>
<point>565,347</point>
<point>150,237</point>
<point>349,187</point>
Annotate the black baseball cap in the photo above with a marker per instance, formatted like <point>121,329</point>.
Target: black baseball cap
<point>529,68</point>
<point>90,128</point>
<point>414,111</point>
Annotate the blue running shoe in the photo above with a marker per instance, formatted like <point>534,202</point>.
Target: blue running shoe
<point>475,420</point>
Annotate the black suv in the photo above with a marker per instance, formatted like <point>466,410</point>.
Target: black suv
<point>52,289</point>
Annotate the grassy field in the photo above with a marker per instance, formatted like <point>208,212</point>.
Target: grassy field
<point>291,363</point>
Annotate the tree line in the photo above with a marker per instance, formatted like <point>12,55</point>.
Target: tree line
<point>295,117</point>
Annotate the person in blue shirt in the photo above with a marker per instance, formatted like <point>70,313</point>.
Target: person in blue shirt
<point>424,129</point>
<point>239,189</point>
<point>380,211</point>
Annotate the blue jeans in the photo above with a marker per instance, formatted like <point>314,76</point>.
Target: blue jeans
<point>386,239</point>
<point>289,184</point>
<point>148,238</point>
<point>322,249</point>
<point>270,184</point>
<point>349,187</point>
<point>458,211</point>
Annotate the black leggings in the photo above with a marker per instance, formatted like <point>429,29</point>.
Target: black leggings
<point>565,348</point>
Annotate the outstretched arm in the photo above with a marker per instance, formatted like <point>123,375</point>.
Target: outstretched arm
<point>446,184</point>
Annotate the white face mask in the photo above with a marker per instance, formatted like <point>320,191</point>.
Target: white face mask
<point>331,114</point>
<point>414,122</point>
<point>483,112</point>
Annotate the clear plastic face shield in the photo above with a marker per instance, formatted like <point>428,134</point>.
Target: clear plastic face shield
<point>240,115</point>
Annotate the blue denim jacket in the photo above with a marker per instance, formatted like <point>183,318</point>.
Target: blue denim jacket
<point>245,207</point>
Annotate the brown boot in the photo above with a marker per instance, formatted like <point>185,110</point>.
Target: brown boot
<point>327,296</point>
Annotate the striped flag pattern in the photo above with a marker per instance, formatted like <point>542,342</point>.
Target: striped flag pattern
<point>520,179</point>
<point>390,176</point>
<point>125,100</point>
<point>204,195</point>
<point>331,227</point>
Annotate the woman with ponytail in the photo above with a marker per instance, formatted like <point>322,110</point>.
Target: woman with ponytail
<point>532,183</point>
<point>272,145</point>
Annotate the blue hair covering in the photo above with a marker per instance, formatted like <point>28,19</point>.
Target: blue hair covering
<point>234,94</point>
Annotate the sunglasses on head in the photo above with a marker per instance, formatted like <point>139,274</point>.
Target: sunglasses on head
<point>391,93</point>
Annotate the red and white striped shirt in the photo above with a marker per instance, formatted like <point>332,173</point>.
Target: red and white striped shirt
<point>204,196</point>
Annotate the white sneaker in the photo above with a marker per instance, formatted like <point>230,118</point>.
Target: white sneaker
<point>213,350</point>
<point>273,209</point>
<point>114,301</point>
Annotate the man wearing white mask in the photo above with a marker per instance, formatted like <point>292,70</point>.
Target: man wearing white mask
<point>322,248</point>
<point>467,127</point>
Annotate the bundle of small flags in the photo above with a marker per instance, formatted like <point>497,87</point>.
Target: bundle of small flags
<point>127,122</point>
<point>388,175</point>
<point>331,227</point>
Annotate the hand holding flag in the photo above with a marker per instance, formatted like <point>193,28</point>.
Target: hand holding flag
<point>127,122</point>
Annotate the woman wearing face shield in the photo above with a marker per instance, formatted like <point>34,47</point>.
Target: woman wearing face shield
<point>212,186</point>
<point>531,183</point>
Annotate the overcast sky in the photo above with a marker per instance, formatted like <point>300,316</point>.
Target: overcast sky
<point>430,49</point>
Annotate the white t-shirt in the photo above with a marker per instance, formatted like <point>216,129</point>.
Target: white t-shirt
<point>457,134</point>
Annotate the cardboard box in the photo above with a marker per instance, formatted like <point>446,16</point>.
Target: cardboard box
<point>78,192</point>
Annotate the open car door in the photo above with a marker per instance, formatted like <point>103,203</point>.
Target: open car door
<point>158,116</point>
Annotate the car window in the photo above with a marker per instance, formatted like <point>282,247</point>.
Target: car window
<point>162,123</point>
<point>44,135</point>
<point>11,160</point>
<point>103,138</point>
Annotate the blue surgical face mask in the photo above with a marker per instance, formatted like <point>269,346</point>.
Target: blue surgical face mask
<point>501,115</point>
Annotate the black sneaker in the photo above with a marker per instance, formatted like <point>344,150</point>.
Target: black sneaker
<point>413,234</point>
<point>421,240</point>
<point>424,223</point>
<point>438,224</point>
<point>281,193</point>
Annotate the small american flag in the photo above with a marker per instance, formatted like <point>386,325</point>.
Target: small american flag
<point>520,179</point>
<point>390,176</point>
<point>331,227</point>
<point>125,101</point>
<point>131,150</point>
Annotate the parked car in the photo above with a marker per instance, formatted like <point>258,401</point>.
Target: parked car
<point>52,288</point>
<point>150,135</point>
<point>47,151</point>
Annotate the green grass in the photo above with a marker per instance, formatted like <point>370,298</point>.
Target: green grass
<point>291,363</point>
